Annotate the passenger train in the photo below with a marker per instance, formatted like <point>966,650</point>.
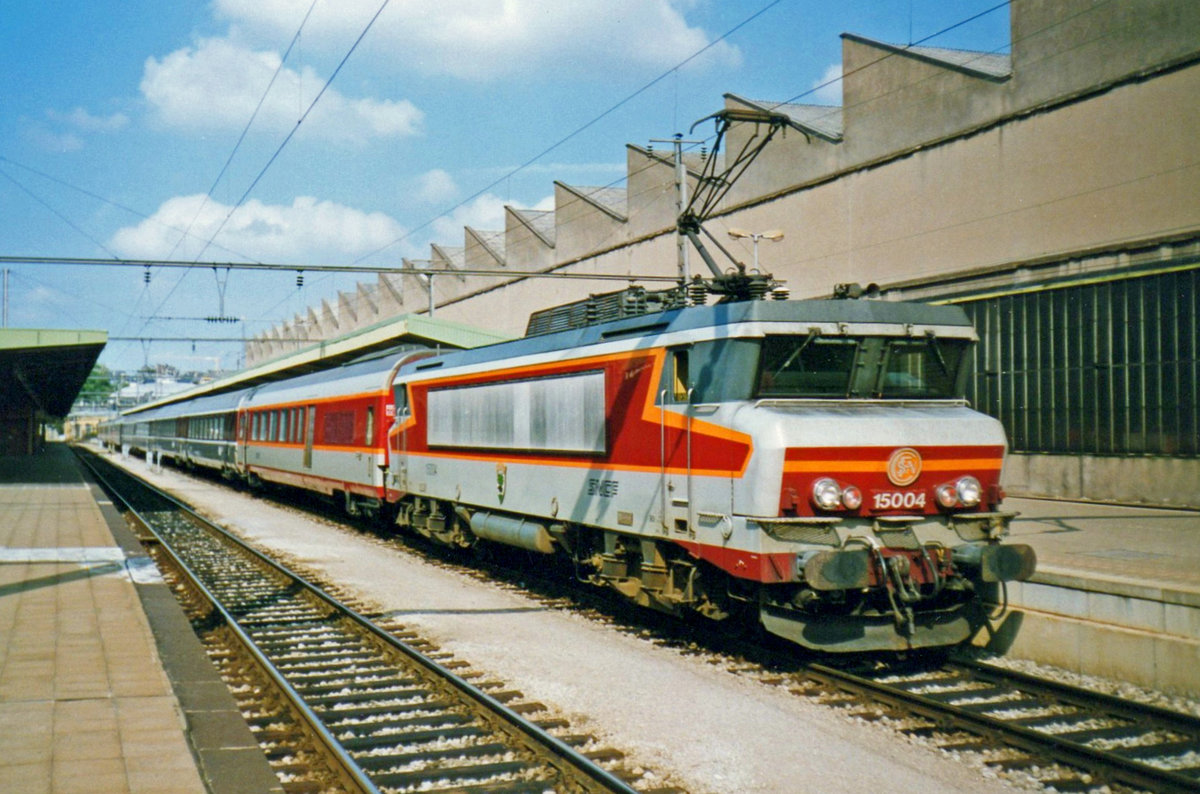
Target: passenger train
<point>810,466</point>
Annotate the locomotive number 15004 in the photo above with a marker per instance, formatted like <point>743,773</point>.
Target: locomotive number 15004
<point>898,500</point>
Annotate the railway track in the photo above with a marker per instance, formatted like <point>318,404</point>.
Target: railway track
<point>339,703</point>
<point>1070,739</point>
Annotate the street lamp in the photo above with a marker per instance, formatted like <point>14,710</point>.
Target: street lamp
<point>775,235</point>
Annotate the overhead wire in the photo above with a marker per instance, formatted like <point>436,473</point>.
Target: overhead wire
<point>283,144</point>
<point>210,242</point>
<point>577,130</point>
<point>287,139</point>
<point>246,129</point>
<point>20,186</point>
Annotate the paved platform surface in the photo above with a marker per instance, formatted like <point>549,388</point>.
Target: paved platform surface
<point>86,702</point>
<point>1124,546</point>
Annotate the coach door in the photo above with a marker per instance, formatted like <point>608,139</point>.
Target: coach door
<point>676,491</point>
<point>310,429</point>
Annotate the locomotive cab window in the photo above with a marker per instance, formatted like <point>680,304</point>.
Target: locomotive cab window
<point>806,366</point>
<point>926,368</point>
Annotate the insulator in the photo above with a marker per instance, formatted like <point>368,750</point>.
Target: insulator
<point>299,280</point>
<point>758,288</point>
<point>703,153</point>
<point>146,276</point>
<point>697,292</point>
<point>781,293</point>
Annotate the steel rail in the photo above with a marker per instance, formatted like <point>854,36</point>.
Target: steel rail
<point>575,764</point>
<point>1112,704</point>
<point>296,701</point>
<point>1110,765</point>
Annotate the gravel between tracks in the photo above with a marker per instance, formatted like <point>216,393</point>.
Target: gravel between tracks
<point>694,724</point>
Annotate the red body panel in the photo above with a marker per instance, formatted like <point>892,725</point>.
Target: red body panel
<point>867,468</point>
<point>636,426</point>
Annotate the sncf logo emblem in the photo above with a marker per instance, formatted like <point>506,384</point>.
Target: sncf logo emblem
<point>904,466</point>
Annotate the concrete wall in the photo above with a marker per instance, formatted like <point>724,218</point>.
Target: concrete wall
<point>1152,481</point>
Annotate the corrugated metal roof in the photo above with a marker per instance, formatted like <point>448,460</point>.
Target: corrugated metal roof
<point>610,199</point>
<point>822,120</point>
<point>989,63</point>
<point>540,221</point>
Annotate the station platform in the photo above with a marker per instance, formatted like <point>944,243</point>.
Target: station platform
<point>1116,593</point>
<point>103,685</point>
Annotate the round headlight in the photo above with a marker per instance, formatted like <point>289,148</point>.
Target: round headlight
<point>852,497</point>
<point>947,495</point>
<point>969,491</point>
<point>827,494</point>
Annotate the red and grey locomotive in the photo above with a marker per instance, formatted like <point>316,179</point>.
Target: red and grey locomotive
<point>811,465</point>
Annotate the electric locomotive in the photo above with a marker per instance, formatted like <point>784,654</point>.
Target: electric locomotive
<point>808,465</point>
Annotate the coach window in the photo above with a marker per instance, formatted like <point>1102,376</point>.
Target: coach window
<point>370,434</point>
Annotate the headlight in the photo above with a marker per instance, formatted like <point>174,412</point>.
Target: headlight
<point>969,491</point>
<point>851,497</point>
<point>827,494</point>
<point>947,495</point>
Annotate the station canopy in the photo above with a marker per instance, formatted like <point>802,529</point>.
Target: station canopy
<point>45,369</point>
<point>377,339</point>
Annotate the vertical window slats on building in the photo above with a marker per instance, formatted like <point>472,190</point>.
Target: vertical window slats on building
<point>1110,368</point>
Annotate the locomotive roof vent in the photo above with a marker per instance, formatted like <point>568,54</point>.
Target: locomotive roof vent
<point>604,307</point>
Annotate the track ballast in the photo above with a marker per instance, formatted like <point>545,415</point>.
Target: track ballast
<point>382,715</point>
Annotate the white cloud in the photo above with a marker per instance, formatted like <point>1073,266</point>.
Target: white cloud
<point>436,187</point>
<point>307,230</point>
<point>84,120</point>
<point>217,84</point>
<point>490,39</point>
<point>48,140</point>
<point>828,86</point>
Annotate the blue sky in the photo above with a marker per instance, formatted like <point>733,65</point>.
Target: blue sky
<point>118,118</point>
